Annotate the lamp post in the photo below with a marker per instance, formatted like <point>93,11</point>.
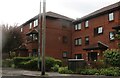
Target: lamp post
<point>43,37</point>
<point>39,36</point>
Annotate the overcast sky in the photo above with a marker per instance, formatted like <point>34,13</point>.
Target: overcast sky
<point>19,11</point>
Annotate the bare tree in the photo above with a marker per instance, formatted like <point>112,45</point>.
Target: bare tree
<point>11,38</point>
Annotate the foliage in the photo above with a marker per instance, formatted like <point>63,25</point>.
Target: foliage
<point>7,63</point>
<point>112,71</point>
<point>12,54</point>
<point>18,61</point>
<point>64,70</point>
<point>11,38</point>
<point>98,64</point>
<point>88,71</point>
<point>118,36</point>
<point>55,68</point>
<point>58,62</point>
<point>30,63</point>
<point>112,57</point>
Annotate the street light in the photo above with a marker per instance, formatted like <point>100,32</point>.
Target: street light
<point>43,37</point>
<point>39,37</point>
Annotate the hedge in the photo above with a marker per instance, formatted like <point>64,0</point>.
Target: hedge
<point>32,63</point>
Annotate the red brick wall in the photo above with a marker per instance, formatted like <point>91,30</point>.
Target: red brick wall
<point>101,20</point>
<point>54,33</point>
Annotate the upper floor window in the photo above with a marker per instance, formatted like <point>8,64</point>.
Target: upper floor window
<point>30,25</point>
<point>112,35</point>
<point>86,24</point>
<point>36,23</point>
<point>78,26</point>
<point>98,30</point>
<point>87,40</point>
<point>78,41</point>
<point>111,16</point>
<point>21,29</point>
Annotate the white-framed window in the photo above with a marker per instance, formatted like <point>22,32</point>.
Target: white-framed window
<point>100,30</point>
<point>76,41</point>
<point>111,16</point>
<point>86,24</point>
<point>21,29</point>
<point>30,26</point>
<point>78,26</point>
<point>36,23</point>
<point>79,41</point>
<point>112,35</point>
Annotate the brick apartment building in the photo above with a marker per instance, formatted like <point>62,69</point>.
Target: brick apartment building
<point>58,36</point>
<point>84,38</point>
<point>94,33</point>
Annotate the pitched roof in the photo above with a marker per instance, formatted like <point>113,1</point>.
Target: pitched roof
<point>49,14</point>
<point>100,12</point>
<point>34,31</point>
<point>97,46</point>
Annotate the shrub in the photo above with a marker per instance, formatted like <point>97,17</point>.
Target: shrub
<point>98,64</point>
<point>31,63</point>
<point>55,68</point>
<point>112,57</point>
<point>51,62</point>
<point>7,63</point>
<point>112,71</point>
<point>64,70</point>
<point>20,60</point>
<point>88,71</point>
<point>58,62</point>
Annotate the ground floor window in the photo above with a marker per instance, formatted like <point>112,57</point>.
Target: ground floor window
<point>78,56</point>
<point>92,56</point>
